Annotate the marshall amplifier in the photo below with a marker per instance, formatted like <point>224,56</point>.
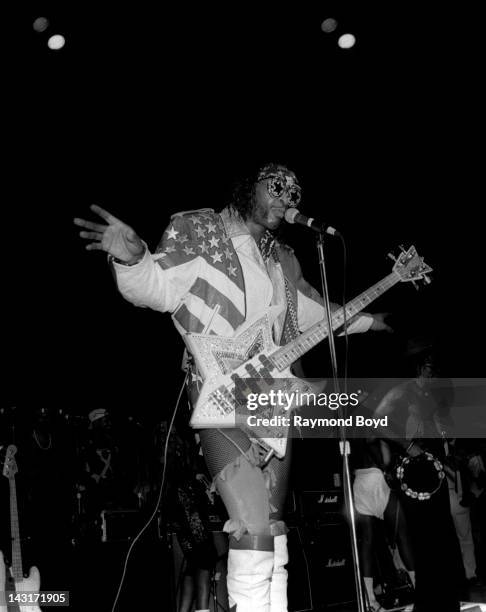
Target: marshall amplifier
<point>331,564</point>
<point>322,507</point>
<point>321,573</point>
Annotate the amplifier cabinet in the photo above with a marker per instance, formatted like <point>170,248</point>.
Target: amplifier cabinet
<point>322,506</point>
<point>120,525</point>
<point>320,567</point>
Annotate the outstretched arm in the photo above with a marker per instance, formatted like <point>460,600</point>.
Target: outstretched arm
<point>311,308</point>
<point>143,279</point>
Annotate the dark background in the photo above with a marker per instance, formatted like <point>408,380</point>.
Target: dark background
<point>148,110</point>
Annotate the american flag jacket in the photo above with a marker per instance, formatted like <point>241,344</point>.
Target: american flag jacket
<point>209,274</point>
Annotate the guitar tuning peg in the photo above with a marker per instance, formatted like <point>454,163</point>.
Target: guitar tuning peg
<point>391,256</point>
<point>402,248</point>
<point>427,279</point>
<point>414,283</point>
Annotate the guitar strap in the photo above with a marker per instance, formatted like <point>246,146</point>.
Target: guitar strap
<point>291,326</point>
<point>288,330</point>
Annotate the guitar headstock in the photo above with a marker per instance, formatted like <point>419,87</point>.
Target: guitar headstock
<point>10,466</point>
<point>410,267</point>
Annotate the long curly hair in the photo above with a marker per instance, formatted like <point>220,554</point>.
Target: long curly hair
<point>242,198</point>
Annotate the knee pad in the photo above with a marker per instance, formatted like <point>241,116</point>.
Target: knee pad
<point>242,488</point>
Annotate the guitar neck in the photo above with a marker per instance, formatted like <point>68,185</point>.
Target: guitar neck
<point>17,570</point>
<point>283,357</point>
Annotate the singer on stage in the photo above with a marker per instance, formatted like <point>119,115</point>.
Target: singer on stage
<point>212,272</point>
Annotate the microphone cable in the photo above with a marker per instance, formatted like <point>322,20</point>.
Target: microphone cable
<point>159,497</point>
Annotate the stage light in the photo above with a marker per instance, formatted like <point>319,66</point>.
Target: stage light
<point>40,24</point>
<point>329,25</point>
<point>56,42</point>
<point>346,41</point>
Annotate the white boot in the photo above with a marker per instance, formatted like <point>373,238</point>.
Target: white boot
<point>249,574</point>
<point>278,588</point>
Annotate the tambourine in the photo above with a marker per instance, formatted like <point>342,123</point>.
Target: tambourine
<point>421,476</point>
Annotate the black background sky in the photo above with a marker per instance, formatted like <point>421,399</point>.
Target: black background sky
<point>149,110</point>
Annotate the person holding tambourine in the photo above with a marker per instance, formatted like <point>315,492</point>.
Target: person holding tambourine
<point>418,421</point>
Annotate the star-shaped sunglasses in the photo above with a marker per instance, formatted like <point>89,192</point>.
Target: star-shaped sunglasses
<point>277,185</point>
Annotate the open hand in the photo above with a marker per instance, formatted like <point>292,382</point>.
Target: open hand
<point>116,238</point>
<point>379,323</point>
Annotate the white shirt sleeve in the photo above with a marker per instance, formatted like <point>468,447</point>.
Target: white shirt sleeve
<point>147,284</point>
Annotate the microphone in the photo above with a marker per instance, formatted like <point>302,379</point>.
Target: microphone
<point>292,215</point>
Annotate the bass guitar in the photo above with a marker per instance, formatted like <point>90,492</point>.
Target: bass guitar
<point>13,582</point>
<point>252,363</point>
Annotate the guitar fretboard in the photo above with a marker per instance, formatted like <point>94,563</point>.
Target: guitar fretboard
<point>17,570</point>
<point>283,357</point>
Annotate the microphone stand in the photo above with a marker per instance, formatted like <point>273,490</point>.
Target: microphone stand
<point>343,442</point>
